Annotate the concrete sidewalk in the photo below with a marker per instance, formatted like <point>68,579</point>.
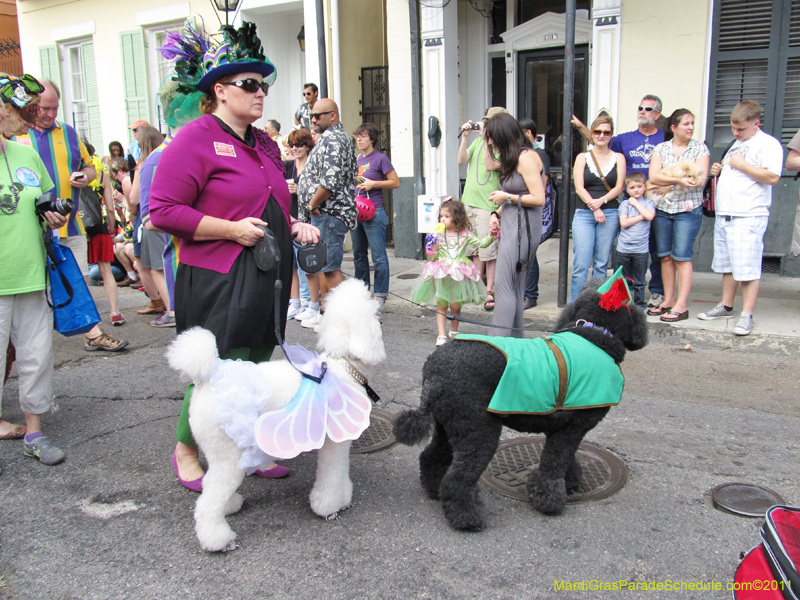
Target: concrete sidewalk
<point>777,311</point>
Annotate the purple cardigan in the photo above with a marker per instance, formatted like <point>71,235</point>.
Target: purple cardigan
<point>207,171</point>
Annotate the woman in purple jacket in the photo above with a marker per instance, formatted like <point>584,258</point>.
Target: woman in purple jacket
<point>216,183</point>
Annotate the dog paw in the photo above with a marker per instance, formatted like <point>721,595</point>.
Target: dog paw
<point>335,516</point>
<point>234,545</point>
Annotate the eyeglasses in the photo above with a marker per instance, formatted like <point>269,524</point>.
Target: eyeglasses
<point>647,108</point>
<point>250,85</point>
<point>135,130</point>
<point>297,145</point>
<point>601,132</point>
<point>315,116</point>
<point>308,93</point>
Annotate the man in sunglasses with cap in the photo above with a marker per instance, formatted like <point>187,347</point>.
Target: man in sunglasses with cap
<point>302,115</point>
<point>637,146</point>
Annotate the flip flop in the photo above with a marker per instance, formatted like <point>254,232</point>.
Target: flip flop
<point>679,316</point>
<point>659,310</point>
<point>489,304</point>
<point>17,433</point>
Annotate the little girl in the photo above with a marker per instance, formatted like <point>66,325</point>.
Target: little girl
<point>450,278</point>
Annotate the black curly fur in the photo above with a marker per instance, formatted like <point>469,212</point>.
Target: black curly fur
<point>459,380</point>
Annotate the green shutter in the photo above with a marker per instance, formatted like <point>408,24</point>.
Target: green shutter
<point>50,68</point>
<point>95,133</point>
<point>134,76</point>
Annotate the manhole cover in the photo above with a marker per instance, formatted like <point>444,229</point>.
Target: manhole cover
<point>744,499</point>
<point>603,473</point>
<point>378,435</point>
<point>408,276</point>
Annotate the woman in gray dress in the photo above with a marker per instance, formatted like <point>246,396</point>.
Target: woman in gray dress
<point>518,218</point>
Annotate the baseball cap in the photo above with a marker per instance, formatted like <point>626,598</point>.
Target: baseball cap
<point>496,110</point>
<point>138,123</point>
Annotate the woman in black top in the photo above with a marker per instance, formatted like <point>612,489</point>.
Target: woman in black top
<point>599,177</point>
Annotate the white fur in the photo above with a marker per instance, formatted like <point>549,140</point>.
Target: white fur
<point>350,329</point>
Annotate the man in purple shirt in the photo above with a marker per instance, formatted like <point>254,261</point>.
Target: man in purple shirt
<point>637,146</point>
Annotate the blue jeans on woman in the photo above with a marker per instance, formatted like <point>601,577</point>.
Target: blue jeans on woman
<point>591,244</point>
<point>371,235</point>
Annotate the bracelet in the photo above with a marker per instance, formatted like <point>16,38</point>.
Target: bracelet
<point>508,197</point>
<point>295,221</point>
<point>494,212</point>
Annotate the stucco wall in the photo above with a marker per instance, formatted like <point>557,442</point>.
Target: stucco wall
<point>663,52</point>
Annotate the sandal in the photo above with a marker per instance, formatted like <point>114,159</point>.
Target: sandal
<point>679,316</point>
<point>16,433</point>
<point>659,310</point>
<point>452,334</point>
<point>441,340</point>
<point>489,304</point>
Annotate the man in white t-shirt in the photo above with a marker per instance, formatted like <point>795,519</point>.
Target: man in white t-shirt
<point>744,194</point>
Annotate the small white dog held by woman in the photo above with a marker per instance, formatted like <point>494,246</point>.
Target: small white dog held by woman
<point>240,409</point>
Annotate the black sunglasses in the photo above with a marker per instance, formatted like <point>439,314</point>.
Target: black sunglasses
<point>308,93</point>
<point>316,116</point>
<point>250,85</point>
<point>297,145</point>
<point>647,108</point>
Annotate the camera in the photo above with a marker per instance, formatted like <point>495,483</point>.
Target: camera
<point>476,125</point>
<point>47,202</point>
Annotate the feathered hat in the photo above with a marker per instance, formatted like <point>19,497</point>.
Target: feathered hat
<point>615,292</point>
<point>200,60</point>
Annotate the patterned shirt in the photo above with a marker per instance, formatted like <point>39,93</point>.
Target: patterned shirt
<point>63,153</point>
<point>303,114</point>
<point>673,202</point>
<point>332,165</point>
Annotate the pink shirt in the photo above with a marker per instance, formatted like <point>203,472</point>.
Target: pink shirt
<point>207,171</point>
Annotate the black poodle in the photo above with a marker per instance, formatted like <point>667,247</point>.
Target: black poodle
<point>459,381</point>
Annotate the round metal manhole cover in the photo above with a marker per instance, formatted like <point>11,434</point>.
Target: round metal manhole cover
<point>744,499</point>
<point>602,473</point>
<point>408,276</point>
<point>378,436</point>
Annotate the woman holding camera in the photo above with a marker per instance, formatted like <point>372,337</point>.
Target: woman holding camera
<point>518,217</point>
<point>25,317</point>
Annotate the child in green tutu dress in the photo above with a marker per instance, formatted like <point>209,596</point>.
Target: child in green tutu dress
<point>449,278</point>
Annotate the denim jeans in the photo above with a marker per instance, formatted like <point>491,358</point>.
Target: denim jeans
<point>634,266</point>
<point>591,245</point>
<point>675,233</point>
<point>371,235</point>
<point>332,231</point>
<point>532,285</point>
<point>656,285</point>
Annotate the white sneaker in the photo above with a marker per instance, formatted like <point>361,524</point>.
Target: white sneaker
<point>293,312</point>
<point>312,322</point>
<point>306,313</point>
<point>655,300</point>
<point>745,324</point>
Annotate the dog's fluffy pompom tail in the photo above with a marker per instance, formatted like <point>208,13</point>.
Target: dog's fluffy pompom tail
<point>412,427</point>
<point>193,354</point>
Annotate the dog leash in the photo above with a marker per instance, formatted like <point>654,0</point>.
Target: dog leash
<point>282,344</point>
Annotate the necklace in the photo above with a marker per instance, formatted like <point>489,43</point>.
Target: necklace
<point>11,183</point>
<point>478,164</point>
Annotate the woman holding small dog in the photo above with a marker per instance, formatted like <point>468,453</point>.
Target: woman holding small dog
<point>218,183</point>
<point>678,211</point>
<point>599,176</point>
<point>518,218</point>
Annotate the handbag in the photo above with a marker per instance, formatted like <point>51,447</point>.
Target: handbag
<point>73,306</point>
<point>549,210</point>
<point>91,205</point>
<point>710,189</point>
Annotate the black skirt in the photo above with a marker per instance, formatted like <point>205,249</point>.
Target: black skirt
<point>238,307</point>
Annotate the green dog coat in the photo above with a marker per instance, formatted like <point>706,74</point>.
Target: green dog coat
<point>532,381</point>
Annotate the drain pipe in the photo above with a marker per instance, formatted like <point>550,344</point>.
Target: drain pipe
<point>336,68</point>
<point>416,113</point>
<point>323,63</point>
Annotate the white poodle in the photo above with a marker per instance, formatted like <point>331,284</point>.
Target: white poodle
<point>350,344</point>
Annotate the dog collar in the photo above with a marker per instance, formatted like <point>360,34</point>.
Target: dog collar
<point>589,325</point>
<point>359,378</point>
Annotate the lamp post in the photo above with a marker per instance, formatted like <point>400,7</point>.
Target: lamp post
<point>226,6</point>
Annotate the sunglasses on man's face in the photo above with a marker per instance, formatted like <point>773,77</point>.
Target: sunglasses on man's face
<point>308,93</point>
<point>250,85</point>
<point>316,116</point>
<point>647,108</point>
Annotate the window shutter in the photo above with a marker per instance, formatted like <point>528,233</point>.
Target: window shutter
<point>745,25</point>
<point>95,134</point>
<point>736,81</point>
<point>134,75</point>
<point>50,68</point>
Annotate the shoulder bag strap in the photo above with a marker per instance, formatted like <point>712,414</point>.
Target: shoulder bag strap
<point>599,170</point>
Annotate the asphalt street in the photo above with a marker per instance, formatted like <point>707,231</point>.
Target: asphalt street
<point>112,522</point>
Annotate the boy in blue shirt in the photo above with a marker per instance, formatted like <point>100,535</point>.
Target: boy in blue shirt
<point>633,245</point>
